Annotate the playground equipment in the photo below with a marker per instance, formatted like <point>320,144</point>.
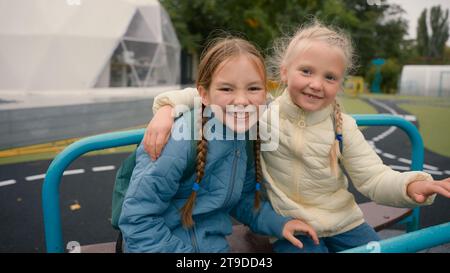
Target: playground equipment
<point>354,85</point>
<point>242,240</point>
<point>376,84</point>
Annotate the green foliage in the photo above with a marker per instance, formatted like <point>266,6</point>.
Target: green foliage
<point>431,46</point>
<point>439,31</point>
<point>377,30</point>
<point>422,34</point>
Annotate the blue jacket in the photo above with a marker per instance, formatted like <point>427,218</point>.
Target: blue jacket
<point>150,219</point>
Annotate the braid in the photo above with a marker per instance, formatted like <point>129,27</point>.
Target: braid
<point>202,148</point>
<point>335,152</point>
<point>258,171</point>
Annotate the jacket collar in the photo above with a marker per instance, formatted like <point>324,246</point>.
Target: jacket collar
<point>296,114</point>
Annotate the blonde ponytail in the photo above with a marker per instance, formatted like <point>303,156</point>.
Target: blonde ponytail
<point>335,152</point>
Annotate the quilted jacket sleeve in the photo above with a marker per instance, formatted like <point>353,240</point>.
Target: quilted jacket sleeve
<point>152,187</point>
<point>177,97</point>
<point>263,221</point>
<point>370,176</point>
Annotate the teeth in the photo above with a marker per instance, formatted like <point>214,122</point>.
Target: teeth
<point>311,96</point>
<point>240,114</point>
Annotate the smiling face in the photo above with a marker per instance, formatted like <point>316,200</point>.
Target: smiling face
<point>314,75</point>
<point>236,90</point>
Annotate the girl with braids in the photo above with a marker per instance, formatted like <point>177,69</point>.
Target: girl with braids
<point>302,176</point>
<point>168,207</point>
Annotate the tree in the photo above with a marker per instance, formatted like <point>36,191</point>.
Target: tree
<point>377,30</point>
<point>432,46</point>
<point>439,32</point>
<point>422,34</point>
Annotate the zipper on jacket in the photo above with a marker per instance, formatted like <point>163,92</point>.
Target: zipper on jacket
<point>233,176</point>
<point>194,239</point>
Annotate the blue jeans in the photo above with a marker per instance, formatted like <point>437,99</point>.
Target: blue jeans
<point>358,236</point>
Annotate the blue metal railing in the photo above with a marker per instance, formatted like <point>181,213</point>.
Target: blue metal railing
<point>417,153</point>
<point>50,189</point>
<point>409,242</point>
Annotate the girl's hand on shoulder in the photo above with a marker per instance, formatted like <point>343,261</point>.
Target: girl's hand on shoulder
<point>296,225</point>
<point>420,190</point>
<point>158,131</point>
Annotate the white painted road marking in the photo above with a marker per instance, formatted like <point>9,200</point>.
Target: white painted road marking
<point>391,156</point>
<point>7,182</point>
<point>434,172</point>
<point>430,167</point>
<point>384,134</point>
<point>404,160</point>
<point>400,168</point>
<point>408,117</point>
<point>71,172</point>
<point>42,176</point>
<point>35,177</point>
<point>382,105</point>
<point>103,168</point>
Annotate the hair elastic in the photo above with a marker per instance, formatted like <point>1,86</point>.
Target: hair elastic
<point>195,187</point>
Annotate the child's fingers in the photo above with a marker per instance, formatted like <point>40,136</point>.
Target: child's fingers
<point>419,198</point>
<point>160,142</point>
<point>444,184</point>
<point>441,189</point>
<point>296,242</point>
<point>312,233</point>
<point>445,181</point>
<point>146,141</point>
<point>152,146</point>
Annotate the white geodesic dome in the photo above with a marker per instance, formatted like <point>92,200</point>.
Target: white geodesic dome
<point>76,44</point>
<point>425,80</point>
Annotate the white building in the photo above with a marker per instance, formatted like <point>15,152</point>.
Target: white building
<point>425,80</point>
<point>81,44</point>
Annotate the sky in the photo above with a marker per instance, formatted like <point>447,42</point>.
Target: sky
<point>413,8</point>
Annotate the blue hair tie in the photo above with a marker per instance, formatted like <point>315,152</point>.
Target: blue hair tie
<point>339,137</point>
<point>195,187</point>
<point>258,186</point>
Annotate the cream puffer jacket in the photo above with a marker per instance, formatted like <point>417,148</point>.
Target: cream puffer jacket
<point>299,180</point>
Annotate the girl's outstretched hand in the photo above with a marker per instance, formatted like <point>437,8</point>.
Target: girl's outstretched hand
<point>420,190</point>
<point>298,226</point>
<point>158,131</point>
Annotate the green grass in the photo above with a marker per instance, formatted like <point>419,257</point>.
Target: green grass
<point>434,123</point>
<point>356,106</point>
<point>438,101</point>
